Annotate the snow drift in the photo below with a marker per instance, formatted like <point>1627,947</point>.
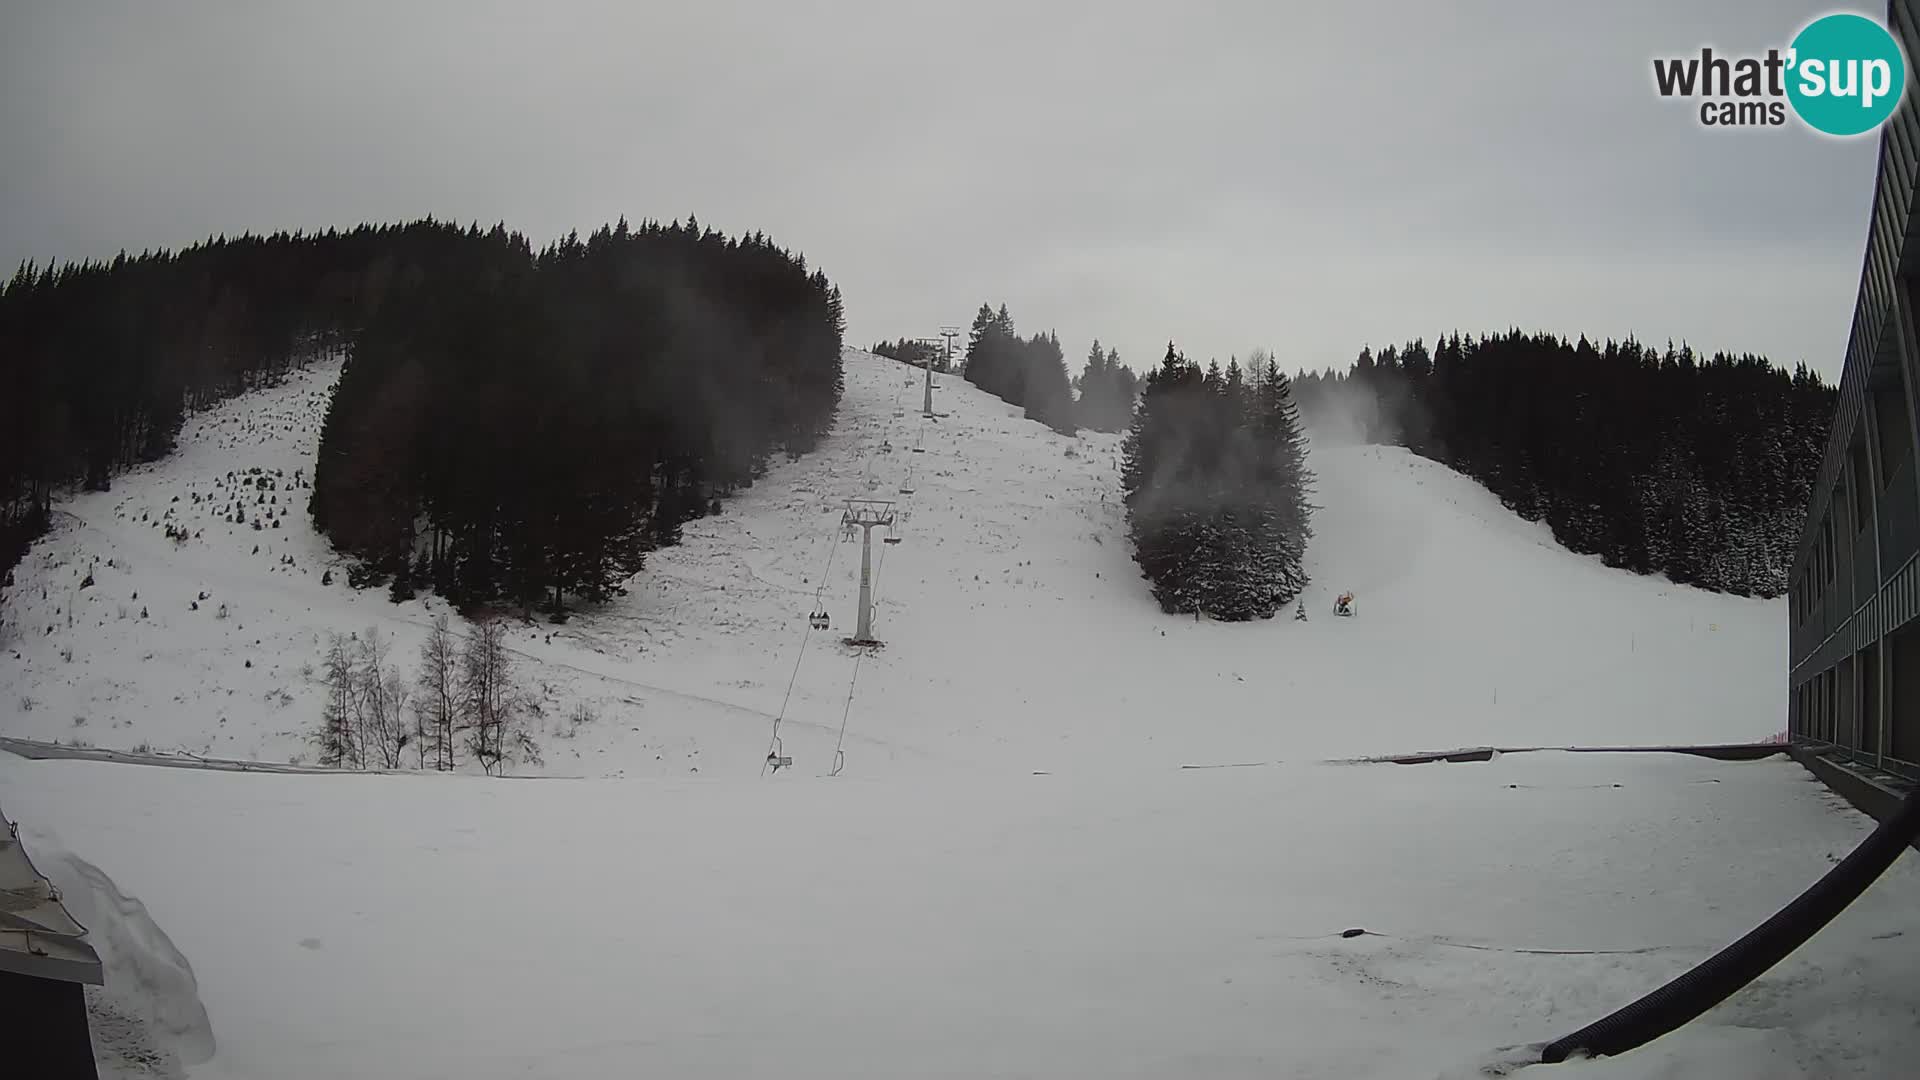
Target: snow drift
<point>148,1015</point>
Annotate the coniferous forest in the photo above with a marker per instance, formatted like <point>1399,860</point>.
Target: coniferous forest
<point>527,430</point>
<point>1656,461</point>
<point>1107,389</point>
<point>1216,483</point>
<point>509,425</point>
<point>103,360</point>
<point>914,353</point>
<point>1029,372</point>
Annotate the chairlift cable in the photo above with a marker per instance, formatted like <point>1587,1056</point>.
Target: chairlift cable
<point>773,742</point>
<point>839,751</point>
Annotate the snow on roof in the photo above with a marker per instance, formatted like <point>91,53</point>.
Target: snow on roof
<point>38,938</point>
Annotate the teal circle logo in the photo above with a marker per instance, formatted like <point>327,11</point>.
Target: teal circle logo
<point>1846,74</point>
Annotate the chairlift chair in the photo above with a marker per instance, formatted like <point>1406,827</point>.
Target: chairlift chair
<point>818,619</point>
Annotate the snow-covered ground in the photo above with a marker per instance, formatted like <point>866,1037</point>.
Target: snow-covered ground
<point>1019,634</point>
<point>1013,874</point>
<point>1179,923</point>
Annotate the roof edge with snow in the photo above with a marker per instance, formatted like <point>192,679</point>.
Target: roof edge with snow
<point>38,937</point>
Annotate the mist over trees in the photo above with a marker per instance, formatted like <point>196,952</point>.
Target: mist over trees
<point>527,429</point>
<point>1657,461</point>
<point>1029,372</point>
<point>1216,483</point>
<point>511,425</point>
<point>916,353</point>
<point>1107,391</point>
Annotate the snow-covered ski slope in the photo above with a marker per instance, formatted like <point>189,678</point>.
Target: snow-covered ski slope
<point>939,910</point>
<point>1019,635</point>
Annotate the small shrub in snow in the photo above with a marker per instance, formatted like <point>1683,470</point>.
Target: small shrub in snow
<point>581,716</point>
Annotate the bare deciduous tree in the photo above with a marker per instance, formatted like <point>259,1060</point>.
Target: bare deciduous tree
<point>438,706</point>
<point>383,696</point>
<point>339,739</point>
<point>497,731</point>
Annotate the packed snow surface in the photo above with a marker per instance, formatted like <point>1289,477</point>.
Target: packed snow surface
<point>1172,923</point>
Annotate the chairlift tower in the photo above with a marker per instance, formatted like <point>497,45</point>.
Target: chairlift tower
<point>866,514</point>
<point>948,333</point>
<point>926,352</point>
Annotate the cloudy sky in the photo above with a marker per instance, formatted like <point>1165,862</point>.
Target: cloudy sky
<point>1306,177</point>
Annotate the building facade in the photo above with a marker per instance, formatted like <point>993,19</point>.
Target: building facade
<point>1854,640</point>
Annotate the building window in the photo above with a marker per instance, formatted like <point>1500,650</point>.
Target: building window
<point>1892,426</point>
<point>1863,487</point>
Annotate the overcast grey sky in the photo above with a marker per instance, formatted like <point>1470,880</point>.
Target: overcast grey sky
<point>1306,177</point>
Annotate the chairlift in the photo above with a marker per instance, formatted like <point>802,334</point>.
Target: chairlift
<point>889,539</point>
<point>919,449</point>
<point>776,758</point>
<point>818,619</point>
<point>886,446</point>
<point>906,491</point>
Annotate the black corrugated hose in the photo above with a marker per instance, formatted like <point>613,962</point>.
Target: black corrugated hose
<point>1743,961</point>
